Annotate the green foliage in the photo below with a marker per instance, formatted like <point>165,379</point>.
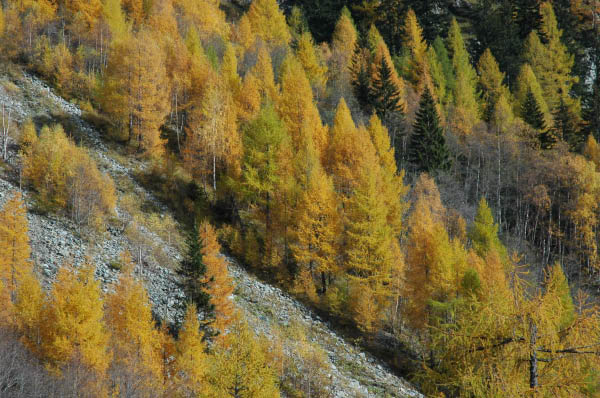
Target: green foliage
<point>484,233</point>
<point>385,94</point>
<point>194,270</point>
<point>427,147</point>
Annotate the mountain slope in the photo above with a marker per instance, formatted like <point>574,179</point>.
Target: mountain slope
<point>270,311</point>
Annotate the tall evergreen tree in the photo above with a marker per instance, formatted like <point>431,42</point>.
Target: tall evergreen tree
<point>566,127</point>
<point>528,17</point>
<point>533,116</point>
<point>194,271</point>
<point>591,113</point>
<point>427,147</point>
<point>361,73</point>
<point>385,94</point>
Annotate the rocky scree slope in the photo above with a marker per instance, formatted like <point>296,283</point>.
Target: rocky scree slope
<point>269,310</point>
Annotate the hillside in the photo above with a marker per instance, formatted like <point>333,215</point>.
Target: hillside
<point>318,198</point>
<point>348,371</point>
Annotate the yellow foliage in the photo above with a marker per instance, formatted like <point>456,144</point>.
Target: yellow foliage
<point>220,285</point>
<point>268,22</point>
<point>73,326</point>
<point>297,108</point>
<point>14,241</point>
<point>135,342</point>
<point>30,302</point>
<point>240,364</point>
<point>191,360</point>
<point>308,57</point>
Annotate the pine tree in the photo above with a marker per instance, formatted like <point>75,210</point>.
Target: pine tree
<point>527,81</point>
<point>528,16</point>
<point>565,126</point>
<point>427,146</point>
<point>591,113</point>
<point>532,115</point>
<point>386,96</point>
<point>194,271</point>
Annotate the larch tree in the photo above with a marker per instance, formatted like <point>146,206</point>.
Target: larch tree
<point>372,253</point>
<point>134,90</point>
<point>343,43</point>
<point>29,306</point>
<point>266,143</point>
<point>307,54</point>
<point>296,106</point>
<point>113,15</point>
<point>240,368</point>
<point>268,22</point>
<point>191,359</point>
<point>205,15</point>
<point>484,232</point>
<point>347,146</point>
<point>73,325</point>
<point>418,68</point>
<point>14,249</point>
<point>466,106</point>
<point>219,284</point>
<point>317,229</point>
<point>213,142</point>
<point>392,179</point>
<point>263,70</point>
<point>491,83</point>
<point>135,341</point>
<point>551,62</point>
<point>427,146</point>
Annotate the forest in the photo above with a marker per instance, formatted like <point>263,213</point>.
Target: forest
<point>426,171</point>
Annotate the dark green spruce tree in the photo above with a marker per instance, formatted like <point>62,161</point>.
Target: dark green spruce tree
<point>591,110</point>
<point>361,82</point>
<point>385,97</point>
<point>193,270</point>
<point>533,116</point>
<point>566,127</point>
<point>427,148</point>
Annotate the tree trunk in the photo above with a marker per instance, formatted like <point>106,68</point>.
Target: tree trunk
<point>533,359</point>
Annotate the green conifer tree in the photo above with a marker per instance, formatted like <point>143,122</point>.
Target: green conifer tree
<point>533,116</point>
<point>385,94</point>
<point>566,127</point>
<point>427,147</point>
<point>194,271</point>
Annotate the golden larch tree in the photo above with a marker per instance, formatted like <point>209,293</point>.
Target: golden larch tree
<point>14,241</point>
<point>220,285</point>
<point>135,341</point>
<point>73,325</point>
<point>191,359</point>
<point>268,22</point>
